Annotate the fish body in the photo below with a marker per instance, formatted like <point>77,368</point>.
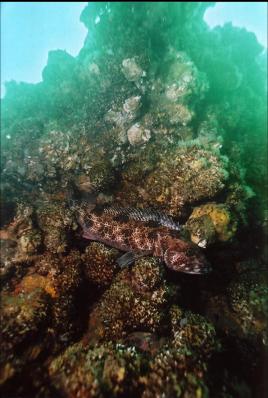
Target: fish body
<point>141,238</point>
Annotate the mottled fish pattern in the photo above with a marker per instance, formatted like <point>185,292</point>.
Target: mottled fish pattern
<point>119,230</point>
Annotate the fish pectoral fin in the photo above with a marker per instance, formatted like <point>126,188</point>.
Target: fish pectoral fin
<point>128,258</point>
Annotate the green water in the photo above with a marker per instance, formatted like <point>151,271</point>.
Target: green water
<point>157,111</point>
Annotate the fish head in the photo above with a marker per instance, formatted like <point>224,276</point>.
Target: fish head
<point>190,261</point>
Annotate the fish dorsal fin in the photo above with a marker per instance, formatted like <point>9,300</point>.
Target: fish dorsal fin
<point>144,215</point>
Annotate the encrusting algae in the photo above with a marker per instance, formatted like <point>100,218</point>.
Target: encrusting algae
<point>211,222</point>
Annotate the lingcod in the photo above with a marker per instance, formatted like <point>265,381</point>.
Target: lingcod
<point>140,232</point>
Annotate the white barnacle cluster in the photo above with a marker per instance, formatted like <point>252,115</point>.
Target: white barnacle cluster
<point>121,119</point>
<point>132,70</point>
<point>138,134</point>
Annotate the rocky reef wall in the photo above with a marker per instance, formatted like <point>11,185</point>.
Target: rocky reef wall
<point>156,111</point>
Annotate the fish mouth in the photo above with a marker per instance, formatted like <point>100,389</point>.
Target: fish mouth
<point>197,266</point>
<point>200,266</point>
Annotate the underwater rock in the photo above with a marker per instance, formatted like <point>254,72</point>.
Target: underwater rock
<point>115,117</point>
<point>64,154</point>
<point>182,78</point>
<point>56,222</point>
<point>178,114</point>
<point>209,130</point>
<point>243,308</point>
<point>120,120</point>
<point>96,371</point>
<point>83,183</point>
<point>131,106</point>
<point>156,111</point>
<point>58,152</point>
<point>188,174</point>
<point>247,297</point>
<point>132,302</point>
<point>63,278</point>
<point>193,332</point>
<point>23,319</point>
<point>59,278</point>
<point>8,254</point>
<point>202,230</point>
<point>22,220</point>
<point>123,117</point>
<point>145,342</point>
<point>35,281</point>
<point>238,199</point>
<point>29,242</point>
<point>239,313</point>
<point>147,274</point>
<point>99,264</point>
<point>174,372</point>
<point>26,238</point>
<point>121,370</point>
<point>94,69</point>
